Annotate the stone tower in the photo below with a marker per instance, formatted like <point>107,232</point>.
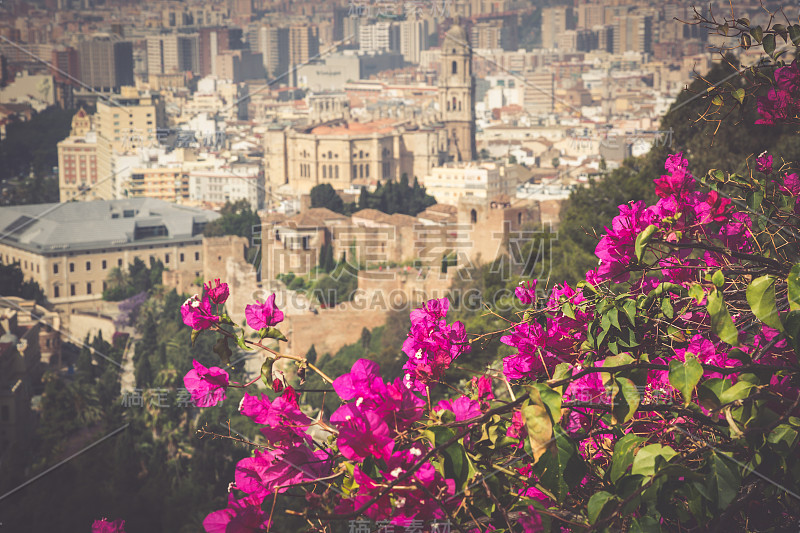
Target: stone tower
<point>457,94</point>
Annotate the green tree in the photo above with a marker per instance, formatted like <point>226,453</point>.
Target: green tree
<point>363,198</point>
<point>13,283</point>
<point>237,218</point>
<point>324,195</point>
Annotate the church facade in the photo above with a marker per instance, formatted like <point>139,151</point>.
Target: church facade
<point>333,149</point>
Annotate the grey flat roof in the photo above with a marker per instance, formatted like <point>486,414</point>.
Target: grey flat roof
<point>84,226</point>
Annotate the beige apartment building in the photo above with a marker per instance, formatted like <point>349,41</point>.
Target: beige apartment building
<point>69,249</point>
<point>124,124</point>
<point>77,161</point>
<point>453,181</point>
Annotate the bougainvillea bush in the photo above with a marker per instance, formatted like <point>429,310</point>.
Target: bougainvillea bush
<point>661,393</point>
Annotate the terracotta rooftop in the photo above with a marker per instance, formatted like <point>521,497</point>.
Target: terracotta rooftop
<point>396,219</point>
<point>313,218</point>
<point>384,125</point>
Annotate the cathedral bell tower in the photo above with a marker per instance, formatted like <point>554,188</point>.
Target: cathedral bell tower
<point>457,94</point>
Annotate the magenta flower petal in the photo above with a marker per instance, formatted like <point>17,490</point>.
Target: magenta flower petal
<point>263,315</point>
<point>206,385</point>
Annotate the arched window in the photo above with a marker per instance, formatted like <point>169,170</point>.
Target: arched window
<point>361,170</point>
<point>448,105</point>
<point>519,218</point>
<point>459,105</point>
<point>324,171</point>
<point>455,67</point>
<point>473,216</point>
<point>454,103</point>
<point>366,172</point>
<point>337,172</point>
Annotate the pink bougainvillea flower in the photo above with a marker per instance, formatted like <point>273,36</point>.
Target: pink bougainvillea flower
<point>217,292</point>
<point>531,521</point>
<point>264,315</point>
<point>197,314</point>
<point>791,185</point>
<point>764,163</point>
<point>463,407</point>
<point>526,292</point>
<point>516,429</point>
<point>678,181</point>
<point>362,433</point>
<point>104,526</point>
<point>270,471</point>
<point>431,310</point>
<point>483,385</point>
<point>778,106</point>
<point>241,516</point>
<point>363,381</point>
<point>431,345</point>
<point>206,385</point>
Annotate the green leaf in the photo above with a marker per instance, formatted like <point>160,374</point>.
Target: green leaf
<point>266,372</point>
<point>542,394</point>
<point>739,95</point>
<point>243,345</point>
<point>710,391</point>
<point>630,311</point>
<point>455,463</point>
<point>717,100</point>
<point>794,34</point>
<point>718,279</point>
<point>666,308</point>
<point>540,429</point>
<point>623,455</point>
<point>596,504</point>
<point>792,325</point>
<point>222,349</point>
<point>696,291</point>
<point>645,461</point>
<point>723,481</point>
<point>272,333</point>
<point>761,297</point>
<point>783,438</point>
<point>630,393</point>
<point>645,524</point>
<point>738,391</point>
<point>439,435</point>
<point>559,471</point>
<point>754,199</point>
<point>613,317</point>
<point>684,376</point>
<point>721,323</point>
<point>643,239</point>
<point>195,334</point>
<point>617,360</point>
<point>757,33</point>
<point>567,310</point>
<point>793,281</point>
<point>769,44</point>
<point>562,370</point>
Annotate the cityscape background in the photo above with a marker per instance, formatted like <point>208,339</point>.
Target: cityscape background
<point>354,158</point>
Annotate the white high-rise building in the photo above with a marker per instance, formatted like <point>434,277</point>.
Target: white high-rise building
<point>379,36</point>
<point>413,39</point>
